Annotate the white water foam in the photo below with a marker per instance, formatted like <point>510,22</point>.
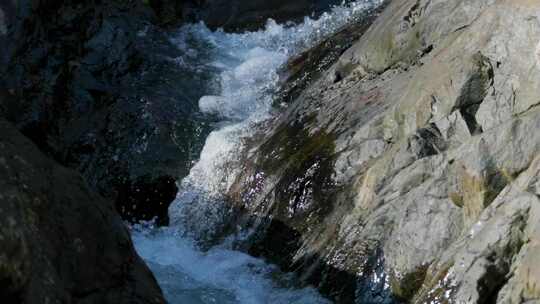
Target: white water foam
<point>249,77</point>
<point>249,66</point>
<point>190,276</point>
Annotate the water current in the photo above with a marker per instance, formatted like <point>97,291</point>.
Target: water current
<point>245,77</point>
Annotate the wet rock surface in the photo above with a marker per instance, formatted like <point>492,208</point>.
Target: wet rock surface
<point>302,70</point>
<point>61,243</point>
<point>417,143</point>
<point>405,171</point>
<point>96,86</point>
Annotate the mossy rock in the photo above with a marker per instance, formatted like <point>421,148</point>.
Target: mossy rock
<point>304,163</point>
<point>406,287</point>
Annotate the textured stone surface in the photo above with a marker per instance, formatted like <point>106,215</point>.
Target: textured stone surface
<point>409,145</point>
<point>405,171</point>
<point>7,10</point>
<point>75,86</point>
<point>60,242</point>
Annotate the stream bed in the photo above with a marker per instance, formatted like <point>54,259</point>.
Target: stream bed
<point>240,96</point>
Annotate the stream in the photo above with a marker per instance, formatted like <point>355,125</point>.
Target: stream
<point>244,78</point>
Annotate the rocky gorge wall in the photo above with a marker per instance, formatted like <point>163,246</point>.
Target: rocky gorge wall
<point>92,84</point>
<point>407,171</point>
<point>89,85</point>
<point>60,242</point>
<point>70,82</point>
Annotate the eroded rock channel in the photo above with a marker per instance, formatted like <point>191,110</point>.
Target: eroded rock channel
<point>306,152</point>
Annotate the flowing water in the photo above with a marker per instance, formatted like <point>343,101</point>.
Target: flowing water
<point>245,68</point>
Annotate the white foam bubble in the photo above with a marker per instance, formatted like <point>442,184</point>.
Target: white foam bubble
<point>212,104</point>
<point>219,275</point>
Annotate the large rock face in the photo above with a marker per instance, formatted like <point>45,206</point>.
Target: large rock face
<point>60,243</point>
<point>408,170</point>
<point>93,86</point>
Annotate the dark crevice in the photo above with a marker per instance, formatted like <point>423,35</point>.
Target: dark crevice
<point>427,50</point>
<point>474,91</point>
<point>147,199</point>
<point>413,15</point>
<point>427,142</point>
<point>469,115</point>
<point>493,281</point>
<point>499,265</point>
<point>337,77</point>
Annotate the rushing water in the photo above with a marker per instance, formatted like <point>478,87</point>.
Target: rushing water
<point>246,76</point>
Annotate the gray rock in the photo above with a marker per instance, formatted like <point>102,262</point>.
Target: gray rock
<point>425,126</point>
<point>81,96</point>
<point>60,242</point>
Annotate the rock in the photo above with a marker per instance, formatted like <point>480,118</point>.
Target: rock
<point>301,71</point>
<point>238,15</point>
<point>3,22</point>
<point>7,11</point>
<point>100,95</point>
<point>498,247</point>
<point>252,14</point>
<point>404,171</point>
<point>410,141</point>
<point>173,12</point>
<point>61,242</point>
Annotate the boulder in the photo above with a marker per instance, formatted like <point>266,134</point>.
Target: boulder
<point>93,86</point>
<point>59,241</point>
<point>403,152</point>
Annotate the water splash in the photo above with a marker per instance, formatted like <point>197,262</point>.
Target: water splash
<point>242,97</point>
<point>220,275</point>
<point>249,64</point>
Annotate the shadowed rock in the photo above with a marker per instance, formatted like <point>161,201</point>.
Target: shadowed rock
<point>239,15</point>
<point>93,86</point>
<point>60,242</point>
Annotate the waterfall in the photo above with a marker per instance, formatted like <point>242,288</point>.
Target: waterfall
<point>246,78</point>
